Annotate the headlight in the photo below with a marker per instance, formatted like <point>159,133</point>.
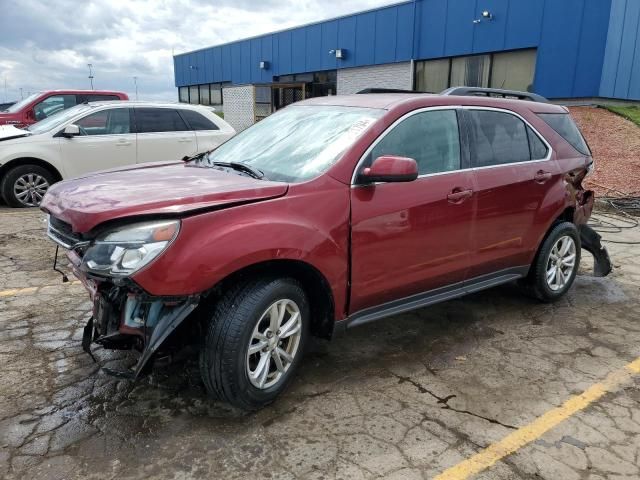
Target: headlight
<point>125,250</point>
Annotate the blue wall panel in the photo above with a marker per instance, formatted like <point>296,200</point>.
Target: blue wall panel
<point>627,49</point>
<point>314,48</point>
<point>621,69</point>
<point>574,39</point>
<point>558,49</point>
<point>365,35</point>
<point>284,54</point>
<point>430,28</point>
<point>404,33</point>
<point>524,24</point>
<point>347,40</point>
<point>329,42</point>
<point>384,45</point>
<point>226,63</point>
<point>459,27</point>
<point>489,36</point>
<point>298,51</point>
<point>593,38</point>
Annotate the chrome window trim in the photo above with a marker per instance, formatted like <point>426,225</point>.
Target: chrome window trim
<point>452,107</point>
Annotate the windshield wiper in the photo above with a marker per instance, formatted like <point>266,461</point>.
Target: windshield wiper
<point>242,167</point>
<point>197,156</point>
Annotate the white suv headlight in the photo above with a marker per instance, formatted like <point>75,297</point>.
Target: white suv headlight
<point>124,250</point>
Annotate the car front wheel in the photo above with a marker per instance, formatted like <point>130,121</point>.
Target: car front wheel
<point>25,185</point>
<point>254,342</point>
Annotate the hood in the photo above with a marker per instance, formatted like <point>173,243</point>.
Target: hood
<point>151,189</point>
<point>8,132</point>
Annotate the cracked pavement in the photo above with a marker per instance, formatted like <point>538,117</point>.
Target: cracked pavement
<point>403,398</point>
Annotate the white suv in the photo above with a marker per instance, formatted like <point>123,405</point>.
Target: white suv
<point>98,136</point>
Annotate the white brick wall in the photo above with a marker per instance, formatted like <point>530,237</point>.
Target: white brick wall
<point>391,75</point>
<point>238,105</point>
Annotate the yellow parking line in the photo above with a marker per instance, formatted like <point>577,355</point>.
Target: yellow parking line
<point>527,434</point>
<point>27,290</point>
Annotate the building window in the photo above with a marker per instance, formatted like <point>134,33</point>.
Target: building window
<point>216,94</point>
<point>513,70</point>
<point>433,75</point>
<point>508,70</point>
<point>194,96</point>
<point>183,94</point>
<point>471,71</point>
<point>205,98</point>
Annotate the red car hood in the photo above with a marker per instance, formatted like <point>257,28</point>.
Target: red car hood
<point>151,189</point>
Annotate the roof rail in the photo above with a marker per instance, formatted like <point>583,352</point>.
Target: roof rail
<point>494,92</point>
<point>387,90</point>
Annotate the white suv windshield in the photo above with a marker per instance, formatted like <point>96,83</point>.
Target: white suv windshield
<point>57,119</point>
<point>297,143</point>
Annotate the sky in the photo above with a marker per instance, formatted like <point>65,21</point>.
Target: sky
<point>47,44</point>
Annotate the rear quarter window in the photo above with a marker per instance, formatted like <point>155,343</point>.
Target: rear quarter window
<point>564,125</point>
<point>197,121</point>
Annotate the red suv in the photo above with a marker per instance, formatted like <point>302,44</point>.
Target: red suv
<point>330,213</point>
<point>41,105</point>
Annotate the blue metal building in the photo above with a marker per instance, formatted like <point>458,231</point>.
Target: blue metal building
<point>562,49</point>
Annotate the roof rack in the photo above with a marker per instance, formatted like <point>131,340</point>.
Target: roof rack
<point>494,92</point>
<point>387,90</point>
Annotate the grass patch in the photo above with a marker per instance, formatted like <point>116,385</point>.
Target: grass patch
<point>220,114</point>
<point>630,113</point>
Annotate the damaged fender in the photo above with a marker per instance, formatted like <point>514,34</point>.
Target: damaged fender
<point>590,240</point>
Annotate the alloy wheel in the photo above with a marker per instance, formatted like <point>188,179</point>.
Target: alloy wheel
<point>274,343</point>
<point>30,188</point>
<point>561,262</point>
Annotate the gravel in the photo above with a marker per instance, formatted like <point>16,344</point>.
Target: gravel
<point>615,144</point>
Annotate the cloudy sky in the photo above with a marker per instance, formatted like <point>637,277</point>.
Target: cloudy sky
<point>47,44</point>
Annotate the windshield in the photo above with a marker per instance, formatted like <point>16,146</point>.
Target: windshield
<point>297,143</point>
<point>57,119</point>
<point>16,107</point>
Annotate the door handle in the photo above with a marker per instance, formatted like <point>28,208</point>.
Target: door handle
<point>123,143</point>
<point>185,140</point>
<point>541,176</point>
<point>458,195</point>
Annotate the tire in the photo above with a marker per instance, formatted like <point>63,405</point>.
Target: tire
<point>35,179</point>
<point>538,284</point>
<point>229,371</point>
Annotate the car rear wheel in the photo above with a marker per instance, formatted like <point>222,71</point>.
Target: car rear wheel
<point>25,185</point>
<point>556,263</point>
<point>254,342</point>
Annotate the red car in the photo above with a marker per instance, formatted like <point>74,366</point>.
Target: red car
<point>41,105</point>
<point>330,213</point>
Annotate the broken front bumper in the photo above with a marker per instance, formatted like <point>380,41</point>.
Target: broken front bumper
<point>125,317</point>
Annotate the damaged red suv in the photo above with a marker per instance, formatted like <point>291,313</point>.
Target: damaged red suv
<point>330,213</point>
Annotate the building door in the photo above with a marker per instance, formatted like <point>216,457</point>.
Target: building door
<point>284,94</point>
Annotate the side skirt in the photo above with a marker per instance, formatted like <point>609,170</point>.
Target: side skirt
<point>431,297</point>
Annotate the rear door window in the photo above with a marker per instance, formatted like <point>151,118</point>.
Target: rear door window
<point>566,127</point>
<point>152,120</point>
<point>197,121</point>
<point>497,138</point>
<point>431,138</point>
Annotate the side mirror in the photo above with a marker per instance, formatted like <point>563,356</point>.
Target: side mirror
<point>389,168</point>
<point>71,131</point>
